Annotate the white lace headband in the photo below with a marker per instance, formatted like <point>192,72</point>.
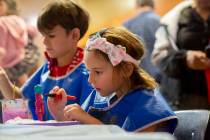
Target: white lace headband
<point>116,53</point>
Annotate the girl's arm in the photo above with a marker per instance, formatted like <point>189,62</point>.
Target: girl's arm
<point>75,112</point>
<point>8,89</point>
<point>150,129</point>
<point>56,106</point>
<point>154,128</point>
<point>70,112</point>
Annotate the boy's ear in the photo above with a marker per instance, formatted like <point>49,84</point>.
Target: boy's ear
<point>75,34</point>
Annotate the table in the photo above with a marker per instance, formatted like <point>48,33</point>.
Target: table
<point>74,132</point>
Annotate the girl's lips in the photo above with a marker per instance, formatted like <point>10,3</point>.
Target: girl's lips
<point>98,89</point>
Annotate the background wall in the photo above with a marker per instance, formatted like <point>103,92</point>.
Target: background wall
<point>103,13</point>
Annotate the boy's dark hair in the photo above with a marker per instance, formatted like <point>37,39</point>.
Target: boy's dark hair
<point>149,3</point>
<point>64,13</point>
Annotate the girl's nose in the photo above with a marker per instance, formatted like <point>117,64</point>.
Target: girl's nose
<point>91,78</point>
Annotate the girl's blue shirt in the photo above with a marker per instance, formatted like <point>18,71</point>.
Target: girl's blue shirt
<point>135,111</point>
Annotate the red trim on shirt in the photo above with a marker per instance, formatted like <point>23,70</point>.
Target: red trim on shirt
<point>56,71</point>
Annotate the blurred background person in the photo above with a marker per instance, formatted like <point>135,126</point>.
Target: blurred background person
<point>18,54</point>
<point>180,53</point>
<point>145,24</point>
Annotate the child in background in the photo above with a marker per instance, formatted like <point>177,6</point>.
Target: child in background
<point>14,38</point>
<point>134,102</point>
<point>62,24</point>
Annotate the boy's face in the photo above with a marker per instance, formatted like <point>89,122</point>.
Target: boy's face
<point>100,74</point>
<point>58,43</point>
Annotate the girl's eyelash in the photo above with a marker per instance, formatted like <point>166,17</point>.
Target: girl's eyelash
<point>98,72</point>
<point>51,35</point>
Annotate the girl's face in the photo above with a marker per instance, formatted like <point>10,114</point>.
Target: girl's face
<point>101,74</point>
<point>3,8</point>
<point>58,43</point>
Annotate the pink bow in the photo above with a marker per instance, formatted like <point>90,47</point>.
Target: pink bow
<point>116,53</point>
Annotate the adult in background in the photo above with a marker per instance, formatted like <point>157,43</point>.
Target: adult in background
<point>18,55</point>
<point>180,54</point>
<point>145,24</point>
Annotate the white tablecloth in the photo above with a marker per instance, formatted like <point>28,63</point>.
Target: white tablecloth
<point>74,132</point>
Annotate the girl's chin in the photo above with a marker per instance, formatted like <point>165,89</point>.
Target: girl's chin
<point>102,94</point>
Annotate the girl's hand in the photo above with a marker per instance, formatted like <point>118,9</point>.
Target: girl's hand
<point>74,112</point>
<point>55,105</point>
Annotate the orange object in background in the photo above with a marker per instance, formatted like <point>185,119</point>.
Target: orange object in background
<point>110,18</point>
<point>103,13</point>
<point>163,6</point>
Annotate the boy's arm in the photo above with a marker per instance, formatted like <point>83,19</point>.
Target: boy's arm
<point>8,90</point>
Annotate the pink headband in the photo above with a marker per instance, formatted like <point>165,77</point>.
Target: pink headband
<point>116,53</point>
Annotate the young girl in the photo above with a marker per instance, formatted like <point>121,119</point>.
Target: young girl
<point>62,24</point>
<point>132,99</point>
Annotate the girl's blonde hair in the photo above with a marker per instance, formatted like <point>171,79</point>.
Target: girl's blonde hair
<point>135,48</point>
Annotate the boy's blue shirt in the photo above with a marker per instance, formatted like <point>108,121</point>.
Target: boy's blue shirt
<point>135,111</point>
<point>74,82</point>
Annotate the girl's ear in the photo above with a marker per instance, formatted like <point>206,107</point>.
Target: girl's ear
<point>75,34</point>
<point>128,69</point>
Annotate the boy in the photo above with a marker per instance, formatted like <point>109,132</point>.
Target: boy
<point>62,24</point>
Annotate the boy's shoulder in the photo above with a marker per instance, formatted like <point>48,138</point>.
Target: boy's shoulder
<point>82,69</point>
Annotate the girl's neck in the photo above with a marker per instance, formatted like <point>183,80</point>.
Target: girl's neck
<point>123,90</point>
<point>66,59</point>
